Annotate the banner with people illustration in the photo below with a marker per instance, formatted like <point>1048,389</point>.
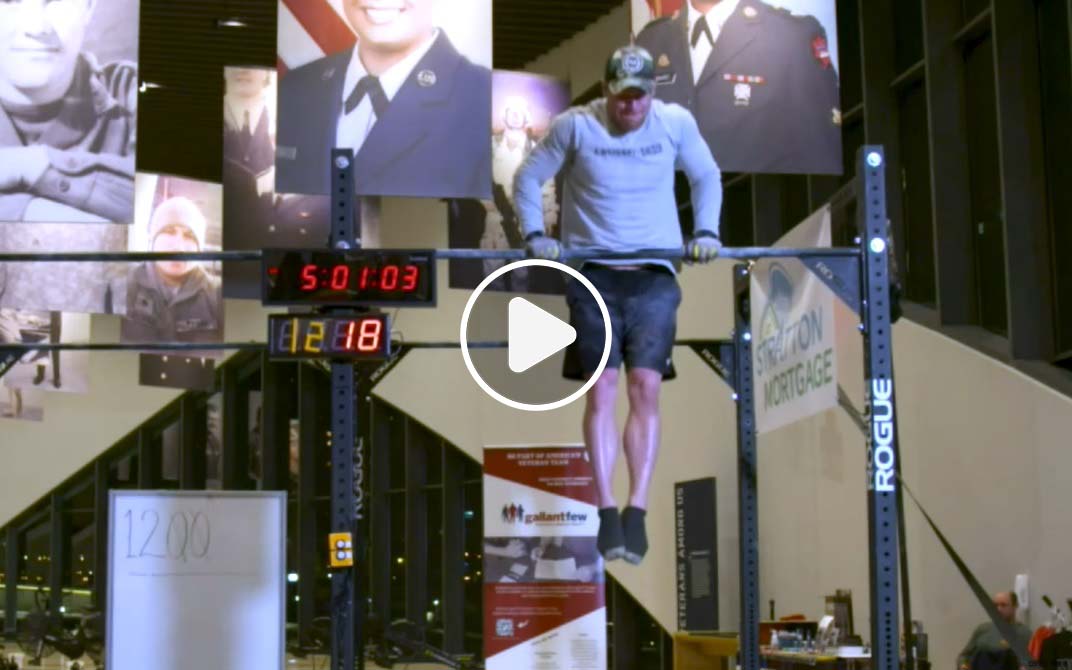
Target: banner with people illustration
<point>543,575</point>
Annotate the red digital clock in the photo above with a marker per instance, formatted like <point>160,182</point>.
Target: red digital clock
<point>371,277</point>
<point>354,336</point>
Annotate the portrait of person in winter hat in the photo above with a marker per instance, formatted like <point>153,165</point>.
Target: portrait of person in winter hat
<point>173,300</point>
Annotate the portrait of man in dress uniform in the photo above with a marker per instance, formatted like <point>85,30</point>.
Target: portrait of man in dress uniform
<point>255,216</point>
<point>760,80</point>
<point>414,109</point>
<point>248,148</point>
<point>67,118</point>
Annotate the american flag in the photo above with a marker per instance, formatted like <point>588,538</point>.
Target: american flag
<point>644,11</point>
<point>310,29</point>
<point>664,7</point>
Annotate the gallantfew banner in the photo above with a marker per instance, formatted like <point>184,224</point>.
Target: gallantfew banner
<point>543,576</point>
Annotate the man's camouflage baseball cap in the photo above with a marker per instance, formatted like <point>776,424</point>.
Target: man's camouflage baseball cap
<point>630,67</point>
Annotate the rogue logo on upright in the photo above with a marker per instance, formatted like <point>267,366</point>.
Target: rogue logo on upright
<point>881,455</point>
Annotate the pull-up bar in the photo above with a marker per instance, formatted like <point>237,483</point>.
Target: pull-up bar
<point>739,253</point>
<point>871,278</point>
<point>179,347</point>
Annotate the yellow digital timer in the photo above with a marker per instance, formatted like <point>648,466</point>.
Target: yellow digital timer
<point>359,336</point>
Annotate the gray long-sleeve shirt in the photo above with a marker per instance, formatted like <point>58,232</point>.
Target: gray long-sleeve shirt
<point>986,637</point>
<point>618,192</point>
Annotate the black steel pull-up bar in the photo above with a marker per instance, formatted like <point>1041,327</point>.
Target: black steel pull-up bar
<point>737,253</point>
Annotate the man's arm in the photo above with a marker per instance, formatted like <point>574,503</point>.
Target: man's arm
<point>705,179</point>
<point>542,163</point>
<point>816,101</point>
<point>965,655</point>
<point>13,206</point>
<point>50,211</point>
<point>98,184</point>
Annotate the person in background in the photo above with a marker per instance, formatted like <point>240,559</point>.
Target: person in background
<point>986,640</point>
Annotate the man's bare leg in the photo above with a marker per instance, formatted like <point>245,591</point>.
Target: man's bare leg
<point>641,449</point>
<point>601,434</point>
<point>601,438</point>
<point>642,432</point>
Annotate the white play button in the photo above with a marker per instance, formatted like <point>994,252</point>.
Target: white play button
<point>527,373</point>
<point>534,335</point>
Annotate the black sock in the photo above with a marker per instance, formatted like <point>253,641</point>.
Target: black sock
<point>636,537</point>
<point>610,541</point>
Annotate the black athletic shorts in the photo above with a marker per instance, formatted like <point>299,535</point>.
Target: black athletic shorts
<point>642,304</point>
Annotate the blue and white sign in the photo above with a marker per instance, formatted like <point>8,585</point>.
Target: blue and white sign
<point>793,362</point>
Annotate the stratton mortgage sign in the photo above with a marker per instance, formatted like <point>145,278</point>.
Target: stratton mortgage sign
<point>793,360</point>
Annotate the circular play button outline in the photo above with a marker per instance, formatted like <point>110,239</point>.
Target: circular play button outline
<point>528,407</point>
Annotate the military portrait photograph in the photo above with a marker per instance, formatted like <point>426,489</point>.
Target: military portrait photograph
<point>255,215</point>
<point>22,404</point>
<point>64,371</point>
<point>523,106</point>
<point>174,301</point>
<point>760,76</point>
<point>404,84</point>
<point>61,287</point>
<point>68,110</point>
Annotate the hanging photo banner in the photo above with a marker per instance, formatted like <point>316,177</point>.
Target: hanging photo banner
<point>523,106</point>
<point>174,301</point>
<point>794,365</point>
<point>761,78</point>
<point>68,110</point>
<point>407,88</point>
<point>255,215</point>
<point>61,287</point>
<point>22,404</point>
<point>543,575</point>
<point>66,371</point>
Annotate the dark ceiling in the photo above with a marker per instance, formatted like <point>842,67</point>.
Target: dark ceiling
<point>183,49</point>
<point>525,29</point>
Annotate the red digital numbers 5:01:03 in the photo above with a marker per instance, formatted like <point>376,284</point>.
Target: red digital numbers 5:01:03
<point>348,277</point>
<point>386,278</point>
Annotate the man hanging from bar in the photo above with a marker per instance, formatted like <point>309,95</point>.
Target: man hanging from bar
<point>617,156</point>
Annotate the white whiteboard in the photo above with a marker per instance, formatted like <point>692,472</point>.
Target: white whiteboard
<point>196,580</point>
